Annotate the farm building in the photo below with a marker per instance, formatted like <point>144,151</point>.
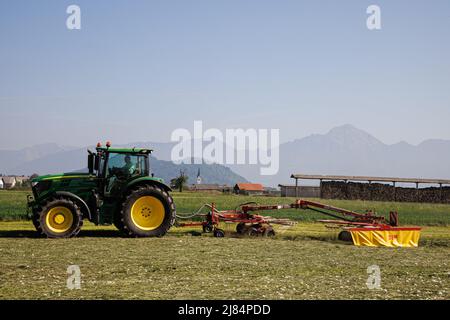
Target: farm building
<point>270,191</point>
<point>9,182</point>
<point>299,191</point>
<point>203,187</point>
<point>249,188</point>
<point>1,183</point>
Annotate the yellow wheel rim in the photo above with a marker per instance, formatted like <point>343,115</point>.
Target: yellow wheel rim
<point>59,219</point>
<point>147,213</point>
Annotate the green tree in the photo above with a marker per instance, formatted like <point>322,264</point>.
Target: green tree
<point>180,182</point>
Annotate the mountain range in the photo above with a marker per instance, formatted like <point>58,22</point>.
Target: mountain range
<point>53,158</point>
<point>344,150</point>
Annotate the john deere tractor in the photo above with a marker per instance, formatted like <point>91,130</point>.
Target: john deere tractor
<point>118,189</point>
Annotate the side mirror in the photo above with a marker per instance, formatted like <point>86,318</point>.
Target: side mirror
<point>91,163</point>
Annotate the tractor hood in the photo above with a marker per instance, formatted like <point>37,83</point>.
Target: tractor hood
<point>69,175</point>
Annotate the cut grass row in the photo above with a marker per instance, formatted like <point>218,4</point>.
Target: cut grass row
<point>13,207</point>
<point>178,266</point>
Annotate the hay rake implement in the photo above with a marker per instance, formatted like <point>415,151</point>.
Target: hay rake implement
<point>364,229</point>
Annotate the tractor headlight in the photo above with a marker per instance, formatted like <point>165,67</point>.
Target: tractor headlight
<point>33,184</point>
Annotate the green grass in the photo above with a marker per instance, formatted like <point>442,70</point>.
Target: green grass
<point>303,262</point>
<point>13,207</point>
<point>409,213</point>
<point>13,204</point>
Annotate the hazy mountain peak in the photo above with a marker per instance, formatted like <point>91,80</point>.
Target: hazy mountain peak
<point>346,129</point>
<point>350,135</point>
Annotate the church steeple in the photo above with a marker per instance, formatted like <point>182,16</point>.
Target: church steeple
<point>199,178</point>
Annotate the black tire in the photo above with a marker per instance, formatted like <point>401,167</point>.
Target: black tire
<point>35,219</point>
<point>345,236</point>
<point>241,228</point>
<point>117,222</point>
<point>252,232</point>
<point>269,232</point>
<point>133,229</point>
<point>207,228</point>
<point>44,225</point>
<point>219,233</point>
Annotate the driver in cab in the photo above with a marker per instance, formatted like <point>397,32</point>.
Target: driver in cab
<point>121,173</point>
<point>129,168</point>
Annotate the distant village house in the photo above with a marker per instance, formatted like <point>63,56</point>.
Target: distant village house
<point>207,187</point>
<point>10,182</point>
<point>21,179</point>
<point>204,187</point>
<point>249,188</point>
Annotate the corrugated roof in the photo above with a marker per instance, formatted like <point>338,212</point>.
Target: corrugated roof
<point>366,178</point>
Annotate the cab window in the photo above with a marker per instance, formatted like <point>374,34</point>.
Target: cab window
<point>126,165</point>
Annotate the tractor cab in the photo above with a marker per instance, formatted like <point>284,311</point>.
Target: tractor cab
<point>117,167</point>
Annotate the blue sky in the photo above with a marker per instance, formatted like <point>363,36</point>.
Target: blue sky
<point>137,70</point>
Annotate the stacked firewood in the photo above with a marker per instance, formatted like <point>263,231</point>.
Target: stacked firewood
<point>383,192</point>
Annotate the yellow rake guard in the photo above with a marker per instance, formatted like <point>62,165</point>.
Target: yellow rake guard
<point>386,237</point>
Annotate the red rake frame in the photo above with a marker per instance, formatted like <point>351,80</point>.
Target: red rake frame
<point>244,214</point>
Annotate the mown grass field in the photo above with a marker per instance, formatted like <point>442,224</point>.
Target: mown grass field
<point>13,207</point>
<point>305,261</point>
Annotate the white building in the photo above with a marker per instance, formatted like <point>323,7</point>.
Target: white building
<point>1,183</point>
<point>199,178</point>
<point>21,179</point>
<point>9,182</point>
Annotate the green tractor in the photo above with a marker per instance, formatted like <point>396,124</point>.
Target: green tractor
<point>118,189</point>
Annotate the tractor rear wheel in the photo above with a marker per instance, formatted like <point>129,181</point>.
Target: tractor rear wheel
<point>58,218</point>
<point>148,211</point>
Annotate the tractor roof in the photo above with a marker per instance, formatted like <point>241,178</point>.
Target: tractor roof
<point>125,150</point>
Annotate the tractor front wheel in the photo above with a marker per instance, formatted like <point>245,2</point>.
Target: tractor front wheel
<point>148,212</point>
<point>58,218</point>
